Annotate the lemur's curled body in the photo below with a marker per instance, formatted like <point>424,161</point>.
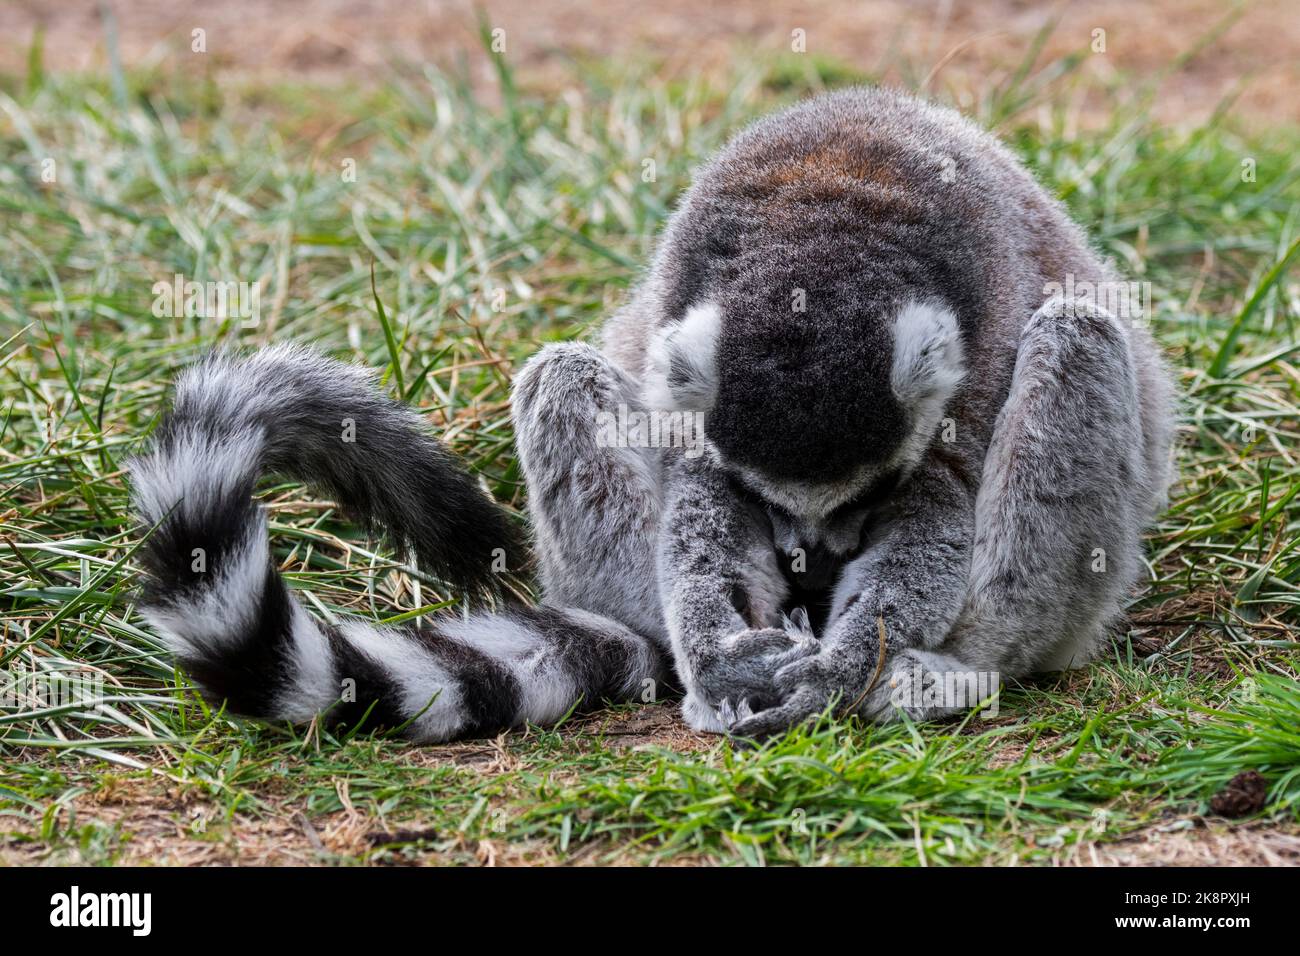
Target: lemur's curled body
<point>903,434</point>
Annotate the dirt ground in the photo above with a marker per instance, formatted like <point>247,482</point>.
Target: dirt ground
<point>359,40</point>
<point>163,820</point>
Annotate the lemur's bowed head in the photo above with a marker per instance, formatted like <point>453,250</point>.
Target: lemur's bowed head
<point>840,402</point>
<point>913,456</point>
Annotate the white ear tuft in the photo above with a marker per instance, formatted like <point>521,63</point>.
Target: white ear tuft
<point>682,371</point>
<point>928,360</point>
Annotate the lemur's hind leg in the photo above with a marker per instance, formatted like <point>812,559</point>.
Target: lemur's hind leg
<point>595,506</point>
<point>1058,521</point>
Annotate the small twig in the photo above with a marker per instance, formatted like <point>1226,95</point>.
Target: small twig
<point>880,667</point>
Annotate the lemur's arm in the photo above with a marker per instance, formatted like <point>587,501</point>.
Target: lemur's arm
<point>721,591</point>
<point>914,580</point>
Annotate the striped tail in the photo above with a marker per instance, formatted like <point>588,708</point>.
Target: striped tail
<point>213,591</point>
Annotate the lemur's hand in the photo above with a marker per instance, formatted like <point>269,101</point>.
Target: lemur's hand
<point>738,676</point>
<point>847,664</point>
<point>893,601</point>
<point>806,687</point>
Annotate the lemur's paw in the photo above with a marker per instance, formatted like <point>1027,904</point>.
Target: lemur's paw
<point>744,664</point>
<point>775,645</point>
<point>797,625</point>
<point>927,686</point>
<point>805,688</point>
<point>701,716</point>
<point>730,713</point>
<point>801,706</point>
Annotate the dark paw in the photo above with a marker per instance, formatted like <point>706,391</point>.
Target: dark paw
<point>744,666</point>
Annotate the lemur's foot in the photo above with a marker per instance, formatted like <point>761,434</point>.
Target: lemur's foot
<point>925,685</point>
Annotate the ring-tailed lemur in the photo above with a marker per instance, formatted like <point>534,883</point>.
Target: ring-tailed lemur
<point>914,462</point>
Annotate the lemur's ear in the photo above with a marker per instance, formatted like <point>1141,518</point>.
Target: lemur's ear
<point>928,360</point>
<point>682,372</point>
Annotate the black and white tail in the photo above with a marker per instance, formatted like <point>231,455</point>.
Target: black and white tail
<point>215,595</point>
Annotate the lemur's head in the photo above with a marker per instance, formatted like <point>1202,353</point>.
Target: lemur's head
<point>819,422</point>
<point>821,356</point>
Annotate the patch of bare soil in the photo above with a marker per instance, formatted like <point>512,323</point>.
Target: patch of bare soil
<point>164,825</point>
<point>358,40</point>
<point>1200,842</point>
<point>655,725</point>
<point>160,824</point>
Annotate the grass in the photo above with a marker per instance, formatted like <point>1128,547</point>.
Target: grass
<point>490,227</point>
